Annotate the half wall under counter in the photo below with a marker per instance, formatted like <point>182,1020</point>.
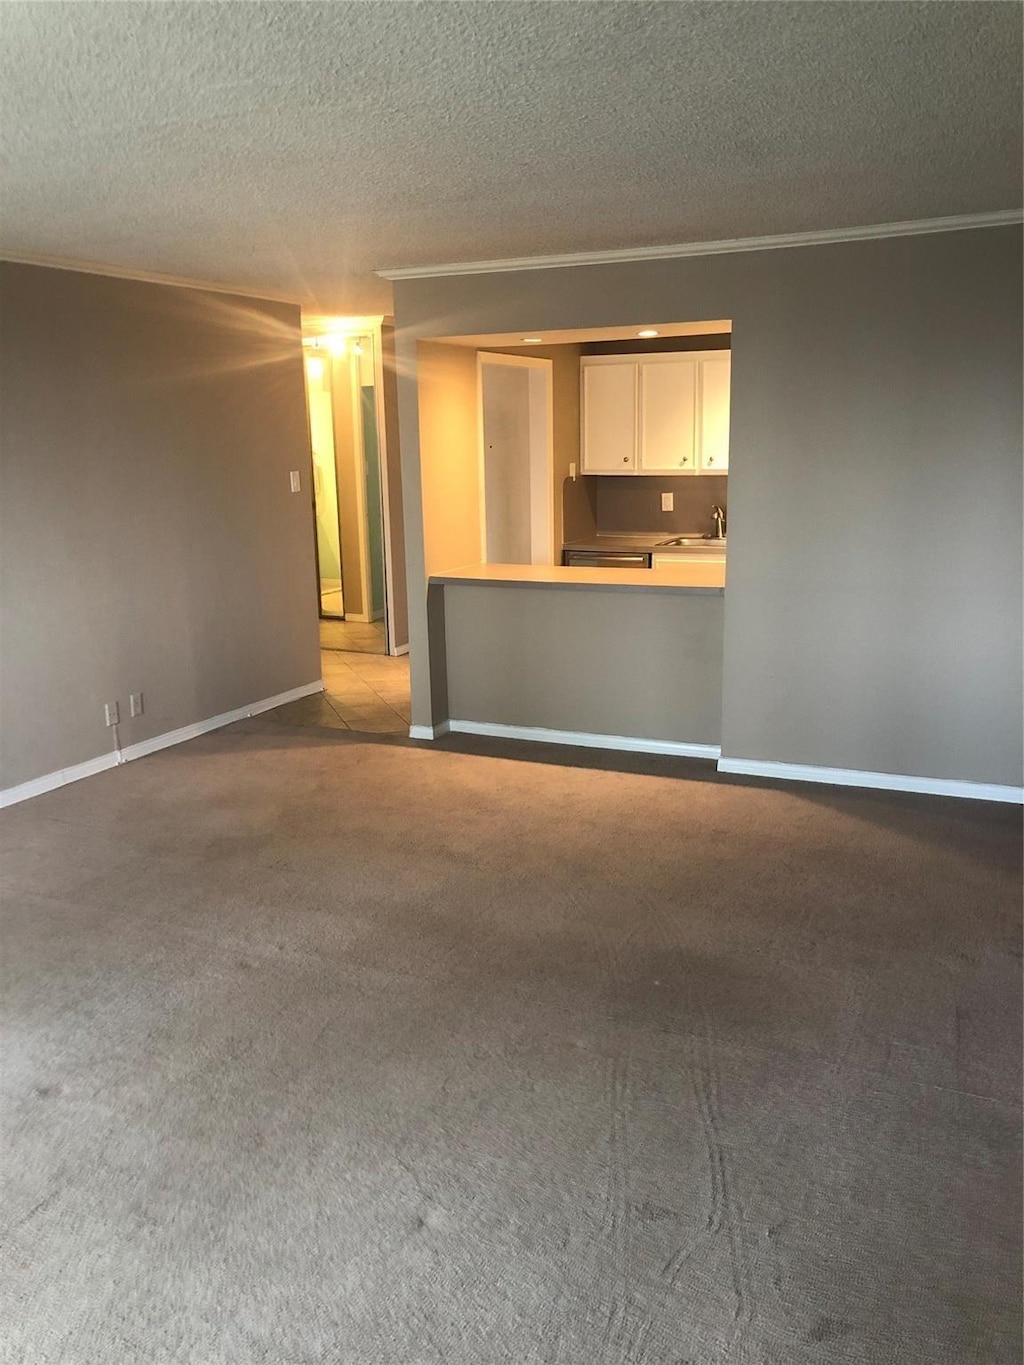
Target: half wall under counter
<point>607,658</point>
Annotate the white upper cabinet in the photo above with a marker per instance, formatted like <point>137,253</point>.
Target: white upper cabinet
<point>660,413</point>
<point>715,374</point>
<point>668,404</point>
<point>609,417</point>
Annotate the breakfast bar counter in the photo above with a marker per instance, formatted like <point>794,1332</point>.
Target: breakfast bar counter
<point>684,576</point>
<point>617,658</point>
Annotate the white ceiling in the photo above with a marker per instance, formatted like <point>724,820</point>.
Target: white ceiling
<point>295,147</point>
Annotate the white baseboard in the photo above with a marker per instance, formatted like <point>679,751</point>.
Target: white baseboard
<point>400,649</point>
<point>203,727</point>
<point>429,731</point>
<point>50,781</point>
<point>584,740</point>
<point>38,786</point>
<point>853,777</point>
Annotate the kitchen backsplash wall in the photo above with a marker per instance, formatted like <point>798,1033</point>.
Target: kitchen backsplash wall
<point>634,503</point>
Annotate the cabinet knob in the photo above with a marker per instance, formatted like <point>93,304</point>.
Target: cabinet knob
<point>625,459</point>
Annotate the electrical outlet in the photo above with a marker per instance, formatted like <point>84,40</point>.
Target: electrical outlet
<point>294,482</point>
<point>668,501</point>
<point>111,715</point>
<point>135,703</point>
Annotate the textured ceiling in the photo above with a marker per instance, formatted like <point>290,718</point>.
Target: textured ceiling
<point>295,147</point>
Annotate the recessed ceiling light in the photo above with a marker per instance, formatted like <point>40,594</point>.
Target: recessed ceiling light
<point>647,332</point>
<point>532,341</point>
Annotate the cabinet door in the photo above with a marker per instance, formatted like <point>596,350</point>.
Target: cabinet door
<point>609,418</point>
<point>714,439</point>
<point>668,392</point>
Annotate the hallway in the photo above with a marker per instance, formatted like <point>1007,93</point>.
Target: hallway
<point>355,637</point>
<point>366,692</point>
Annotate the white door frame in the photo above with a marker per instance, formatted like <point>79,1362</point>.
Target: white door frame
<point>542,450</point>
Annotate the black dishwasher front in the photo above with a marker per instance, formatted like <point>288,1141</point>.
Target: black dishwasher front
<point>607,559</point>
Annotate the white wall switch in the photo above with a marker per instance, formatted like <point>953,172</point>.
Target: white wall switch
<point>668,502</point>
<point>294,482</point>
<point>135,703</point>
<point>111,715</point>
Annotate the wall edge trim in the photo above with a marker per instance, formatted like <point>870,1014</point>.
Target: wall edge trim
<point>38,786</point>
<point>725,246</point>
<point>854,777</point>
<point>585,739</point>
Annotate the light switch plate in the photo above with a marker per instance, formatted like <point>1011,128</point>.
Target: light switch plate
<point>668,502</point>
<point>294,482</point>
<point>135,703</point>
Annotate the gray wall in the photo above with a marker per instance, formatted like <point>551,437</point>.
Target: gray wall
<point>149,539</point>
<point>575,659</point>
<point>873,613</point>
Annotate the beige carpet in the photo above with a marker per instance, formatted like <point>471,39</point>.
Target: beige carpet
<point>330,1048</point>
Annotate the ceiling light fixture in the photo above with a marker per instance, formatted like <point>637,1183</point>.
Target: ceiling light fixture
<point>647,332</point>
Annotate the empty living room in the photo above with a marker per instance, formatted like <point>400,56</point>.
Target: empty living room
<point>511,682</point>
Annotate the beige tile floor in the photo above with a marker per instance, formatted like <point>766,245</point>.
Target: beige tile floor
<point>364,692</point>
<point>363,637</point>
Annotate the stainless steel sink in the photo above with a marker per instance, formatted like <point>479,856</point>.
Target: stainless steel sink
<point>694,543</point>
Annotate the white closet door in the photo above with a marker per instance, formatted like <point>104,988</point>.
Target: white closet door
<point>714,440</point>
<point>668,392</point>
<point>609,418</point>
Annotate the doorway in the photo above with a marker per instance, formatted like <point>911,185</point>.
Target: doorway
<point>516,459</point>
<point>344,401</point>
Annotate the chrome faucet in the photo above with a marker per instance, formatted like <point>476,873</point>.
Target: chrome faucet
<point>719,517</point>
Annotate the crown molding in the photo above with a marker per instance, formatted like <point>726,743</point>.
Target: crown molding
<point>915,228</point>
<point>115,272</point>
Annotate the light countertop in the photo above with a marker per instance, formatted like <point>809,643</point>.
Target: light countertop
<point>688,576</point>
